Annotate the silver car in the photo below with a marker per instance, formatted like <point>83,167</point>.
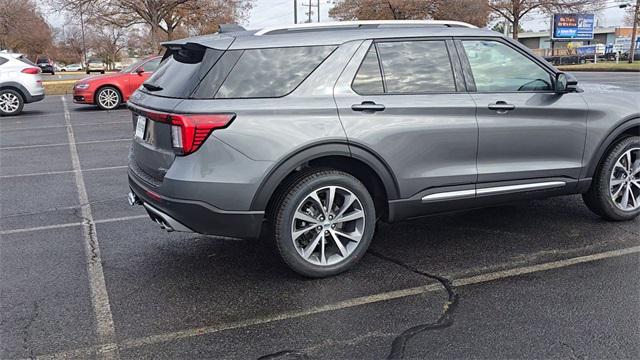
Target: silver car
<point>20,83</point>
<point>311,134</point>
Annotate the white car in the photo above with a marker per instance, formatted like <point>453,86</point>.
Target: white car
<point>20,83</point>
<point>96,66</point>
<point>72,67</point>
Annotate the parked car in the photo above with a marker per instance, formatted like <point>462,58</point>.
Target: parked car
<point>45,64</point>
<point>20,83</point>
<point>96,66</point>
<point>111,90</point>
<point>72,67</point>
<point>313,133</point>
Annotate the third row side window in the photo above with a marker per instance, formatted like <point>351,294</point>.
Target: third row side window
<point>409,67</point>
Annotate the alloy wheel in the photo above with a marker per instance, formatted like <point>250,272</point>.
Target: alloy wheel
<point>9,103</point>
<point>109,98</point>
<point>624,184</point>
<point>328,225</point>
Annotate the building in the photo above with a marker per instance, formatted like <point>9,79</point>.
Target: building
<point>540,41</point>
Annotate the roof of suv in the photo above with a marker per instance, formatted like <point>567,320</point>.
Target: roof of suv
<point>330,34</point>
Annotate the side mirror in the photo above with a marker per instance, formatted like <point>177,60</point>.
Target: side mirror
<point>565,83</point>
<point>139,71</point>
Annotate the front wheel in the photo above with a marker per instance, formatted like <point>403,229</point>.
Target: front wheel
<point>108,98</point>
<point>615,190</point>
<point>11,102</point>
<point>323,222</point>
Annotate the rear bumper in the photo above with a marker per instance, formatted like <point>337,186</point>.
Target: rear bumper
<point>34,98</point>
<point>196,216</point>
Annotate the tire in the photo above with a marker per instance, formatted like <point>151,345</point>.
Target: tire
<point>102,72</point>
<point>615,177</point>
<point>303,252</point>
<point>88,72</point>
<point>108,98</point>
<point>11,102</point>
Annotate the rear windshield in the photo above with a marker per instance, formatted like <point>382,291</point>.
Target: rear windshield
<point>204,73</point>
<point>26,61</point>
<point>181,71</point>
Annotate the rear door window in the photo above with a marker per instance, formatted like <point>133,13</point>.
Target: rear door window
<point>405,67</point>
<point>267,73</point>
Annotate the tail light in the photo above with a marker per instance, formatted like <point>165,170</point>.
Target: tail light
<point>31,70</point>
<point>188,132</point>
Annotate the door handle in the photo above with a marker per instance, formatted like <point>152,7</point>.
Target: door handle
<point>367,106</point>
<point>501,107</point>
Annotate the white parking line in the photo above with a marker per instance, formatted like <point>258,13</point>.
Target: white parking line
<point>63,172</point>
<point>64,126</point>
<point>59,226</point>
<point>105,330</point>
<point>62,144</point>
<point>364,300</point>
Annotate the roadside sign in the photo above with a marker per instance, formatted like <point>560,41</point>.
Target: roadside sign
<point>572,26</point>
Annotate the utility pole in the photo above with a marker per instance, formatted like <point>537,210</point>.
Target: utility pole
<point>310,12</point>
<point>295,11</point>
<point>84,46</point>
<point>634,33</point>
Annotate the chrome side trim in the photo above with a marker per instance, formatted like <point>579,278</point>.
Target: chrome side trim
<point>450,195</point>
<point>520,187</point>
<point>460,194</point>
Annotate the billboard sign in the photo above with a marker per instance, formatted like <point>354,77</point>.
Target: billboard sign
<point>572,26</point>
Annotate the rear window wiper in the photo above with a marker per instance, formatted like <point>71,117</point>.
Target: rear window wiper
<point>152,87</point>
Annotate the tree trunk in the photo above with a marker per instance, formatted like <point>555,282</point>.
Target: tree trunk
<point>516,26</point>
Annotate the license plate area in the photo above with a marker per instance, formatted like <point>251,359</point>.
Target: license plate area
<point>141,127</point>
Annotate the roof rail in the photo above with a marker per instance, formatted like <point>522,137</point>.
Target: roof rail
<point>362,24</point>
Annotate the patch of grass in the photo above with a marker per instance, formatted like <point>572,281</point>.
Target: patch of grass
<point>58,87</point>
<point>603,66</point>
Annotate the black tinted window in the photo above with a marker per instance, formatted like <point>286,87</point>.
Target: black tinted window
<point>416,67</point>
<point>368,80</point>
<point>497,67</point>
<point>3,60</point>
<point>179,74</point>
<point>261,73</point>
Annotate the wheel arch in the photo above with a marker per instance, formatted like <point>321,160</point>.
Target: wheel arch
<point>356,160</point>
<point>630,127</point>
<point>16,87</point>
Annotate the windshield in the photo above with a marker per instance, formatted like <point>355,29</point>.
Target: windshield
<point>131,67</point>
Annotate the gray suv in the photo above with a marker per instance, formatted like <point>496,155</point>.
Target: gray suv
<point>309,135</point>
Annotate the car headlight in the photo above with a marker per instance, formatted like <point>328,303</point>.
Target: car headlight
<point>82,86</point>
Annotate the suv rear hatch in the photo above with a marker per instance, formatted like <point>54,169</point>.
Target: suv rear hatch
<point>160,134</point>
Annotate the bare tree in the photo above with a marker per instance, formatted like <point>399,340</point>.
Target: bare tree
<point>163,17</point>
<point>515,10</point>
<point>23,29</point>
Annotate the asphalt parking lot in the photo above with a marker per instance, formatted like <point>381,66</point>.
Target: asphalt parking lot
<point>82,274</point>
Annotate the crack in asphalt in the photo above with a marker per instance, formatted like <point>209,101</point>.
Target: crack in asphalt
<point>399,344</point>
<point>574,355</point>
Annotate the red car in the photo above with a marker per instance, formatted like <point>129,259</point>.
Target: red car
<point>108,91</point>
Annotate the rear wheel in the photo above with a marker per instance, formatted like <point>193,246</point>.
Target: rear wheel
<point>615,190</point>
<point>11,102</point>
<point>108,98</point>
<point>323,223</point>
